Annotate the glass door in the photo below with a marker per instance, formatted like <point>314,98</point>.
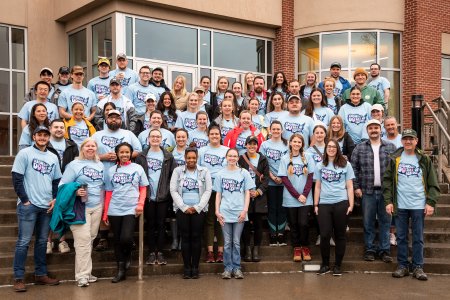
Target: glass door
<point>190,73</point>
<point>231,76</point>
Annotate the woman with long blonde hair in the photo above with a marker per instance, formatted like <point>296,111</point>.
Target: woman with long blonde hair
<point>179,92</point>
<point>336,131</point>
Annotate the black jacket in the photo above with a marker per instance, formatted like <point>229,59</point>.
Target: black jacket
<point>349,145</point>
<point>69,154</point>
<point>259,204</point>
<point>163,189</point>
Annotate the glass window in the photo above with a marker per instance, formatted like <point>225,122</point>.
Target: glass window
<point>205,48</point>
<point>239,53</point>
<point>77,49</point>
<point>4,91</point>
<point>389,50</point>
<point>4,47</point>
<point>269,57</point>
<point>363,49</point>
<point>129,35</point>
<point>166,42</point>
<point>445,89</point>
<point>188,77</point>
<point>308,53</point>
<point>18,90</point>
<point>205,72</point>
<point>4,134</point>
<point>445,67</point>
<point>18,48</point>
<point>17,131</point>
<point>101,43</point>
<point>394,101</point>
<point>335,48</point>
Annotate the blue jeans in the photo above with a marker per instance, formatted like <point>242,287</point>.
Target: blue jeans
<point>373,208</point>
<point>232,246</point>
<point>417,224</point>
<point>31,218</point>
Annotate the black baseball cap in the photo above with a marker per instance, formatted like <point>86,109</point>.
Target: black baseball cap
<point>64,70</point>
<point>251,138</point>
<point>336,64</point>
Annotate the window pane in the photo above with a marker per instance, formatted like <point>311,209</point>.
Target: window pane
<point>77,49</point>
<point>308,54</point>
<point>180,43</point>
<point>4,91</point>
<point>205,72</point>
<point>446,67</point>
<point>4,47</point>
<point>389,50</point>
<point>205,48</point>
<point>269,57</point>
<point>16,132</point>
<point>394,101</point>
<point>445,89</point>
<point>102,40</point>
<point>4,135</point>
<point>18,48</point>
<point>129,35</point>
<point>364,49</point>
<point>186,75</point>
<point>334,48</point>
<point>18,90</point>
<point>239,53</point>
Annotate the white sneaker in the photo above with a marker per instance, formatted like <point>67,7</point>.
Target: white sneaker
<point>332,243</point>
<point>63,247</point>
<point>49,247</point>
<point>318,241</point>
<point>393,239</point>
<point>83,282</point>
<point>92,279</point>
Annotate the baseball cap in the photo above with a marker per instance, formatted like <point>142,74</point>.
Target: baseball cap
<point>158,69</point>
<point>77,69</point>
<point>114,112</point>
<point>373,121</point>
<point>336,64</point>
<point>251,138</point>
<point>199,88</point>
<point>103,60</point>
<point>377,107</point>
<point>115,80</point>
<point>63,70</point>
<point>293,97</point>
<point>121,55</point>
<point>150,96</point>
<point>41,128</point>
<point>409,133</point>
<point>46,69</point>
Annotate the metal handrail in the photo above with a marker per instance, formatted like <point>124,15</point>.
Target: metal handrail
<point>435,117</point>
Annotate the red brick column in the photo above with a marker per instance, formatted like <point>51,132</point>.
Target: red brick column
<point>425,21</point>
<point>284,47</point>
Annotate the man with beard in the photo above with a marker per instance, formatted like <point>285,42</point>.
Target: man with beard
<point>369,160</point>
<point>368,93</point>
<point>294,90</point>
<point>380,83</point>
<point>342,84</point>
<point>157,84</point>
<point>126,75</point>
<point>260,93</point>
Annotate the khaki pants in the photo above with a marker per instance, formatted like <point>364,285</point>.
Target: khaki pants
<point>83,236</point>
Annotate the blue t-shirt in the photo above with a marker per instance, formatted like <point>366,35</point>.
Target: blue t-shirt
<point>331,103</point>
<point>99,86</point>
<point>78,132</point>
<point>258,122</point>
<point>190,190</point>
<point>52,110</point>
<point>213,159</point>
<point>157,91</point>
<point>155,163</point>
<point>323,114</point>
<point>136,93</point>
<point>397,141</point>
<point>70,95</point>
<point>262,105</point>
<point>298,179</point>
<point>410,190</point>
<point>39,168</point>
<point>59,146</point>
<point>119,103</point>
<point>179,157</point>
<point>274,151</point>
<point>167,141</point>
<point>226,126</point>
<point>25,138</point>
<point>187,120</point>
<point>274,115</point>
<point>240,141</point>
<point>316,158</point>
<point>130,77</point>
<point>380,84</point>
<point>124,182</point>
<point>333,182</point>
<point>355,118</point>
<point>301,124</point>
<point>233,185</point>
<point>87,172</point>
<point>169,119</point>
<point>200,138</point>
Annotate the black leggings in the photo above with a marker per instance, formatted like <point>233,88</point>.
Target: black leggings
<point>155,214</point>
<point>256,219</point>
<point>191,229</point>
<point>276,212</point>
<point>333,217</point>
<point>298,222</point>
<point>123,231</point>
<point>212,226</point>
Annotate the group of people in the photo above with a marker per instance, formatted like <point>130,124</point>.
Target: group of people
<point>95,158</point>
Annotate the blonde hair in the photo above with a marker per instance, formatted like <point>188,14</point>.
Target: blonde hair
<point>246,87</point>
<point>218,80</point>
<point>302,155</point>
<point>81,155</point>
<point>340,134</point>
<point>183,89</point>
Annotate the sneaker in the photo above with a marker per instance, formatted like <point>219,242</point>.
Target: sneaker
<point>210,257</point>
<point>273,240</point>
<point>306,254</point>
<point>102,245</point>
<point>45,280</point>
<point>219,258</point>
<point>385,257</point>
<point>50,247</point>
<point>332,243</point>
<point>337,271</point>
<point>400,272</point>
<point>281,240</point>
<point>63,247</point>
<point>238,274</point>
<point>318,241</point>
<point>418,273</point>
<point>297,254</point>
<point>393,239</point>
<point>151,260</point>
<point>19,285</point>
<point>83,282</point>
<point>160,259</point>
<point>226,275</point>
<point>92,279</point>
<point>369,256</point>
<point>323,270</point>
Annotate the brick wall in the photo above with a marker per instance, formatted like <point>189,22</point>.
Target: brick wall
<point>425,21</point>
<point>284,47</point>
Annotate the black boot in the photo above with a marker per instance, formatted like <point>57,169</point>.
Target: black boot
<point>248,253</point>
<point>120,273</point>
<point>256,257</point>
<point>187,273</point>
<point>195,273</point>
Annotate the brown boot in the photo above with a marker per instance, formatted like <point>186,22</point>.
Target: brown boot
<point>45,280</point>
<point>19,286</point>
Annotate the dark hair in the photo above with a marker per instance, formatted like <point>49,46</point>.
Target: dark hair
<point>117,148</point>
<point>183,130</point>
<point>191,148</point>
<point>301,153</point>
<point>42,82</point>
<point>270,106</point>
<point>309,110</point>
<point>172,111</point>
<point>205,76</point>
<point>258,77</point>
<point>355,88</point>
<point>163,124</point>
<point>235,103</point>
<point>375,64</point>
<point>232,149</point>
<point>248,104</point>
<point>276,122</point>
<point>213,126</point>
<point>284,85</point>
<point>77,103</point>
<point>56,121</point>
<point>320,126</point>
<point>108,104</point>
<point>201,112</point>
<point>144,67</point>
<point>34,123</point>
<point>339,160</point>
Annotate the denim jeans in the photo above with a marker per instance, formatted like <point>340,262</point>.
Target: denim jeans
<point>31,218</point>
<point>417,224</point>
<point>373,209</point>
<point>232,246</point>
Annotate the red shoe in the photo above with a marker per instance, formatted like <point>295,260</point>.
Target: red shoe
<point>306,254</point>
<point>219,258</point>
<point>210,257</point>
<point>297,254</point>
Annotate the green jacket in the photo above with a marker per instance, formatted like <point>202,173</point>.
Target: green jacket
<point>429,179</point>
<point>368,94</point>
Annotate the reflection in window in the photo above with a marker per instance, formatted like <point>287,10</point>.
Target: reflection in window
<point>363,49</point>
<point>308,53</point>
<point>335,48</point>
<point>101,43</point>
<point>239,53</point>
<point>180,43</point>
<point>389,50</point>
<point>77,49</point>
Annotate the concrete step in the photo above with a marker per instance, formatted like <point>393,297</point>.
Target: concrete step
<point>438,221</point>
<point>6,181</point>
<point>6,160</point>
<point>7,192</point>
<point>5,170</point>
